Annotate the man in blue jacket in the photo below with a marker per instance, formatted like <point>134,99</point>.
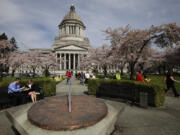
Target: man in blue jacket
<point>15,92</point>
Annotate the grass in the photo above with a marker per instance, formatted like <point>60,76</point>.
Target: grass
<point>157,79</point>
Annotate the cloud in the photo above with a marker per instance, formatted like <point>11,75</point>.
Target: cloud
<point>9,12</point>
<point>35,23</point>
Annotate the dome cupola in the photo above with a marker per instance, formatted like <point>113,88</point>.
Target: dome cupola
<point>72,25</point>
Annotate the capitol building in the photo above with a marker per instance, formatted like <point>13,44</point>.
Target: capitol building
<point>71,42</point>
<point>69,47</point>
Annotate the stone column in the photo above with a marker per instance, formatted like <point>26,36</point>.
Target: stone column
<point>74,65</point>
<point>67,30</point>
<point>69,61</point>
<point>72,29</point>
<point>56,58</point>
<point>60,62</point>
<point>60,32</point>
<point>64,61</point>
<point>79,56</point>
<point>77,30</point>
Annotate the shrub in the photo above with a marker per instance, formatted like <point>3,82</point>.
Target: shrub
<point>129,90</point>
<point>48,88</point>
<point>47,85</point>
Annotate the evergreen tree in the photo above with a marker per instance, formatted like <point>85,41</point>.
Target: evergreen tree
<point>3,36</point>
<point>13,41</point>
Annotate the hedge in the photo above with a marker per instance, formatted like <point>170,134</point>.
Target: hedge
<point>47,85</point>
<point>129,90</point>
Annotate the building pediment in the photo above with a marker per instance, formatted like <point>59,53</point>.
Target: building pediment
<point>71,48</point>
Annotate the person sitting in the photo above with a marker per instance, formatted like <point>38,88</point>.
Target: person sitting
<point>15,92</point>
<point>33,90</point>
<point>139,77</point>
<point>146,79</point>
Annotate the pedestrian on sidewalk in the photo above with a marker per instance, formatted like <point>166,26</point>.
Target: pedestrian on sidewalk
<point>69,75</point>
<point>81,77</point>
<point>169,79</point>
<point>87,76</point>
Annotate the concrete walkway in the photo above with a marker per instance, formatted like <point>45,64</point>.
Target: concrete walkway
<point>152,121</point>
<point>76,88</point>
<point>131,121</point>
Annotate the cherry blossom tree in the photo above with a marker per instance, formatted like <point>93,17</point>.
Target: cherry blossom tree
<point>33,60</point>
<point>16,60</point>
<point>97,57</point>
<point>48,61</point>
<point>135,42</point>
<point>5,50</point>
<point>173,57</point>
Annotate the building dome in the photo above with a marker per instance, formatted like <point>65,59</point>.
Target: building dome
<point>72,17</point>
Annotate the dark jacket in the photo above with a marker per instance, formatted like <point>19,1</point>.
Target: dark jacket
<point>34,87</point>
<point>169,81</point>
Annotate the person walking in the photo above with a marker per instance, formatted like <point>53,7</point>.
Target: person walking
<point>87,76</point>
<point>169,79</point>
<point>69,75</point>
<point>81,77</point>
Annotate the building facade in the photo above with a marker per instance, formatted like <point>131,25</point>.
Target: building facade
<point>69,47</point>
<point>71,43</point>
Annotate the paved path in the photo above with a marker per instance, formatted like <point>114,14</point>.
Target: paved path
<point>76,88</point>
<point>131,121</point>
<point>152,121</point>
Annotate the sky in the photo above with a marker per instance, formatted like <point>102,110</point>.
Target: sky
<point>35,22</point>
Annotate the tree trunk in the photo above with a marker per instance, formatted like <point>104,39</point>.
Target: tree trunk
<point>1,72</point>
<point>132,65</point>
<point>159,70</point>
<point>46,72</point>
<point>105,70</point>
<point>1,77</point>
<point>164,69</point>
<point>34,70</point>
<point>122,71</point>
<point>13,71</point>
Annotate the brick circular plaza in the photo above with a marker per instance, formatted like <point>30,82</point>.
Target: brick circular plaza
<point>52,113</point>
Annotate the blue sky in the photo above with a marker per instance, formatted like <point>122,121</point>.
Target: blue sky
<point>35,22</point>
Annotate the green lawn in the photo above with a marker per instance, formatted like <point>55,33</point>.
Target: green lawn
<point>158,79</point>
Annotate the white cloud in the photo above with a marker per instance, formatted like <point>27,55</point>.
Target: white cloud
<point>9,12</point>
<point>36,22</point>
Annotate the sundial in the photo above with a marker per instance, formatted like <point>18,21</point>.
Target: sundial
<point>53,113</point>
